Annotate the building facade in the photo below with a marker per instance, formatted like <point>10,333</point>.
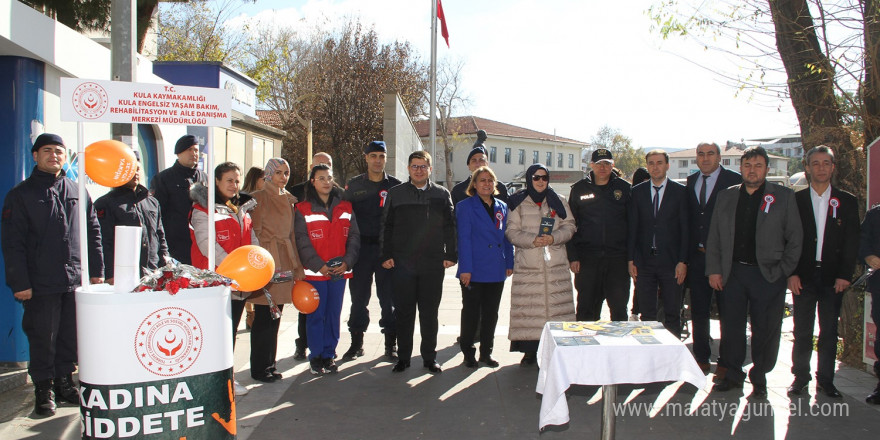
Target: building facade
<point>511,149</point>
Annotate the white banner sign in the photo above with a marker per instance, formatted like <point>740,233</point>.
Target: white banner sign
<point>84,100</point>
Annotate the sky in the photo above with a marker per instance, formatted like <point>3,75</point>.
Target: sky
<point>567,67</point>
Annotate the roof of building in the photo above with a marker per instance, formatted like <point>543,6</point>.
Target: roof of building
<point>730,151</point>
<point>470,125</point>
<point>270,118</point>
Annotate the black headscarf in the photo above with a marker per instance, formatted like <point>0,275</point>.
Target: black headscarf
<point>552,198</point>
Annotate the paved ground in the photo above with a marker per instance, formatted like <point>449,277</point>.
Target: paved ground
<point>366,401</point>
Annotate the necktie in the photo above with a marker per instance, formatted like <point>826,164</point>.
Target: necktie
<point>657,199</point>
<point>656,208</point>
<point>703,192</point>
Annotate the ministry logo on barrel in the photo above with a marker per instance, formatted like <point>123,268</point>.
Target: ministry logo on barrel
<point>168,341</point>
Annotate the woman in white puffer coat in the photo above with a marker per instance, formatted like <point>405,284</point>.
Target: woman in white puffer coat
<point>541,289</point>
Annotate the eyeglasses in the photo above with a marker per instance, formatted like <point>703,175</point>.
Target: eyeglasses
<point>418,167</point>
<point>324,178</point>
<point>538,177</point>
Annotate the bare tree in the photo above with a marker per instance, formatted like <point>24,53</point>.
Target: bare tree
<point>197,31</point>
<point>823,56</point>
<point>451,98</point>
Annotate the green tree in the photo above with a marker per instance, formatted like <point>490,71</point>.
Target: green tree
<point>626,157</point>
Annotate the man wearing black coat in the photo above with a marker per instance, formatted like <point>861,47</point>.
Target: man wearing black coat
<point>830,219</point>
<point>418,241</point>
<point>702,189</point>
<point>171,188</point>
<point>658,242</point>
<point>132,205</point>
<point>40,240</point>
<point>597,253</point>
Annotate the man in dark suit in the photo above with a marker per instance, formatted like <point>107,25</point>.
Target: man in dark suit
<point>830,219</point>
<point>869,251</point>
<point>657,242</point>
<point>702,189</point>
<point>754,244</point>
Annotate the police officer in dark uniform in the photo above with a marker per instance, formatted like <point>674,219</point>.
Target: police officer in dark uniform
<point>367,193</point>
<point>40,241</point>
<point>171,188</point>
<point>132,205</point>
<point>597,252</point>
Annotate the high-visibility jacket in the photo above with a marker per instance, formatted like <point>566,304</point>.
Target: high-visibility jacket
<point>328,235</point>
<point>230,233</point>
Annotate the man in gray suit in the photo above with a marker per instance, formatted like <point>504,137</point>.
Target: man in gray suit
<point>754,244</point>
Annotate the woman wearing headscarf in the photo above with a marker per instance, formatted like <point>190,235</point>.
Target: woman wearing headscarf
<point>541,290</point>
<point>274,226</point>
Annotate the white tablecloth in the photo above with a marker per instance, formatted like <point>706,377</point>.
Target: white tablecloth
<point>616,360</point>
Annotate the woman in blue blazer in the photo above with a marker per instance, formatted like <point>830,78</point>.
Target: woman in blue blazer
<point>485,260</point>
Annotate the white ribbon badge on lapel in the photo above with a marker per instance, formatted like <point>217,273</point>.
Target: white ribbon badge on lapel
<point>768,200</point>
<point>835,203</point>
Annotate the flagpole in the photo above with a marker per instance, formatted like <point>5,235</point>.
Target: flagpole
<point>432,115</point>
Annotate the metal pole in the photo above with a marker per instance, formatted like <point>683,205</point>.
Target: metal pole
<point>609,400</point>
<point>123,66</point>
<point>209,163</point>
<point>433,109</point>
<point>81,185</point>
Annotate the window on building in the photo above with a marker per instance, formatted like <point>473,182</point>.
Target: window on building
<point>493,154</point>
<point>694,161</point>
<point>683,163</point>
<point>522,157</point>
<point>549,159</point>
<point>559,160</point>
<point>571,161</point>
<point>725,162</point>
<point>235,148</point>
<point>507,155</point>
<point>535,156</point>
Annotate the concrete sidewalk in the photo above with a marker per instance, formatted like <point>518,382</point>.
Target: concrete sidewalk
<point>366,401</point>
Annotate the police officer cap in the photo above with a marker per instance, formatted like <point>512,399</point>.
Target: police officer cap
<point>600,155</point>
<point>185,143</point>
<point>375,146</point>
<point>476,150</point>
<point>46,139</point>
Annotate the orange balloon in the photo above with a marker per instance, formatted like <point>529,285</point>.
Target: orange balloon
<point>305,297</point>
<point>251,267</point>
<point>110,163</point>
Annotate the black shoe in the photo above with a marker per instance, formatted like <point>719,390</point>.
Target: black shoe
<point>330,366</point>
<point>759,391</point>
<point>400,366</point>
<point>829,389</point>
<point>529,359</point>
<point>65,390</point>
<point>433,367</point>
<point>726,385</point>
<point>275,373</point>
<point>391,352</point>
<point>798,386</point>
<point>874,398</point>
<point>491,363</point>
<point>357,347</point>
<point>299,354</point>
<point>316,366</point>
<point>44,405</point>
<point>470,362</point>
<point>265,376</point>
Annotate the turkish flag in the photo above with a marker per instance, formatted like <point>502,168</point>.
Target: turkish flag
<point>443,30</point>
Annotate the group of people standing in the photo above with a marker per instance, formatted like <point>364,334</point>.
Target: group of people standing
<point>732,236</point>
